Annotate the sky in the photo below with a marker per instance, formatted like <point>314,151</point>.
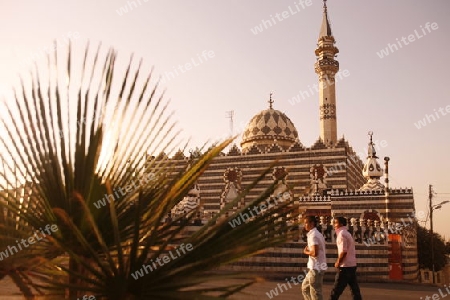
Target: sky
<point>393,59</point>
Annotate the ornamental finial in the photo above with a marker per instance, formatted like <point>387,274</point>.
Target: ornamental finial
<point>371,149</point>
<point>270,100</point>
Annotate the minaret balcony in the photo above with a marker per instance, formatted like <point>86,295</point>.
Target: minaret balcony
<point>327,62</point>
<point>326,48</point>
<point>326,65</point>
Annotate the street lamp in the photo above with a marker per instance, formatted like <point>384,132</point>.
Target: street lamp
<point>433,207</point>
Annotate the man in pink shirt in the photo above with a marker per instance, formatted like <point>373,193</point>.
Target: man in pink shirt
<point>345,263</point>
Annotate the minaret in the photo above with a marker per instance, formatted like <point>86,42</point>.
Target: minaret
<point>326,67</point>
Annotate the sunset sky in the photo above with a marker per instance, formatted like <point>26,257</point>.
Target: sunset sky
<point>234,53</point>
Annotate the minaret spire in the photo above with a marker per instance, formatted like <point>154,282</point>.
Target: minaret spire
<point>325,30</point>
<point>326,67</point>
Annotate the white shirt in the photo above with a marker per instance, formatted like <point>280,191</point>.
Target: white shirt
<point>314,237</point>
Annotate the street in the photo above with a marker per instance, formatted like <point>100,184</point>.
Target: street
<point>260,291</point>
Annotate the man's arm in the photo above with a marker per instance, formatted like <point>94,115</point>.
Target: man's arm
<point>340,259</point>
<point>311,252</point>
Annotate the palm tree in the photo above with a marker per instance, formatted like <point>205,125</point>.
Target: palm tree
<point>79,133</point>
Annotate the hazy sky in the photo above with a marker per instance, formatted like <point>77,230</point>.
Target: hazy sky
<point>232,68</point>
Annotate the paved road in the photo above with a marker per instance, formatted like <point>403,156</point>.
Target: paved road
<point>370,291</point>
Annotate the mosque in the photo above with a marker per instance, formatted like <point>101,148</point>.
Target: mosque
<point>326,179</point>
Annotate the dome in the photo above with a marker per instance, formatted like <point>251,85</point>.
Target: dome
<point>372,170</point>
<point>268,126</point>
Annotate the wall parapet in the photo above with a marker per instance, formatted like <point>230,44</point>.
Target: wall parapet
<point>335,193</point>
<point>315,199</point>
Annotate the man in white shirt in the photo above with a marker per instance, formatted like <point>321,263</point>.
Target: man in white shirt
<point>346,262</point>
<point>317,261</point>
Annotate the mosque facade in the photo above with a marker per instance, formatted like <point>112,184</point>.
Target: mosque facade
<point>327,179</point>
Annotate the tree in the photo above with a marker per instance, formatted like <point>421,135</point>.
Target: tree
<point>78,134</point>
<point>447,247</point>
<point>424,249</point>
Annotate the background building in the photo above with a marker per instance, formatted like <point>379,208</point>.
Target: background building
<point>325,180</point>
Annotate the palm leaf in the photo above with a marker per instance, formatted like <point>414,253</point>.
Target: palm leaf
<point>76,166</point>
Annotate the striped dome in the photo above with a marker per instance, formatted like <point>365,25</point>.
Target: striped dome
<point>266,127</point>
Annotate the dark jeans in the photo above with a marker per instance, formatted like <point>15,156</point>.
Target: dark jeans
<point>344,276</point>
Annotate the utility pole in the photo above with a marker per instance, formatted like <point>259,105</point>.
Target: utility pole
<point>230,115</point>
<point>386,189</point>
<point>430,196</point>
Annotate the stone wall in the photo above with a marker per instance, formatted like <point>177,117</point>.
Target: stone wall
<point>374,236</point>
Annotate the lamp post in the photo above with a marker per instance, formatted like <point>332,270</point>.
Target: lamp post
<point>433,207</point>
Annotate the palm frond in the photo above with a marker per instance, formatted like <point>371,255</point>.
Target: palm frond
<point>84,150</point>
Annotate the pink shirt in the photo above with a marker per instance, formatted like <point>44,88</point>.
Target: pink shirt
<point>345,243</point>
